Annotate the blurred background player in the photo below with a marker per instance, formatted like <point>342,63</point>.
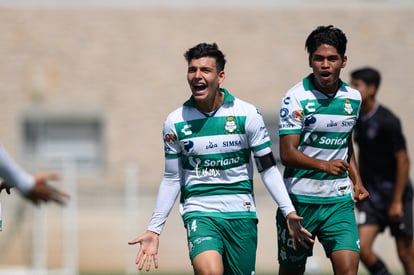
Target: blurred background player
<point>384,168</point>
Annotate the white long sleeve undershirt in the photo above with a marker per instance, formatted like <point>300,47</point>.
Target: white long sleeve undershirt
<point>167,195</point>
<point>13,174</point>
<point>275,186</point>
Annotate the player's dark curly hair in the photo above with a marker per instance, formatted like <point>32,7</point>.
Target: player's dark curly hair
<point>326,35</point>
<point>206,50</point>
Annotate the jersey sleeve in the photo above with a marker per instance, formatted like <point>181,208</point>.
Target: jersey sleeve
<point>172,148</point>
<point>170,185</point>
<point>256,131</point>
<point>291,115</point>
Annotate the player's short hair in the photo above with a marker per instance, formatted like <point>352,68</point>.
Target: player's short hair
<point>368,75</point>
<point>329,35</point>
<point>206,50</point>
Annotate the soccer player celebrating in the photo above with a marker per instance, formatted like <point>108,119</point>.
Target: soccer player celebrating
<point>208,144</point>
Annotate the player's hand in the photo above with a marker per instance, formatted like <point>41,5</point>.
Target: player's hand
<point>360,193</point>
<point>4,186</point>
<point>43,192</point>
<point>297,231</point>
<point>336,167</point>
<point>395,212</point>
<point>148,250</point>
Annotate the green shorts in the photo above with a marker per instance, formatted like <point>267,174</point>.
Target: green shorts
<point>333,224</point>
<point>234,239</point>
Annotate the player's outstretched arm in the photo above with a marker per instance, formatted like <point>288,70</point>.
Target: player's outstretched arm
<point>148,250</point>
<point>41,190</point>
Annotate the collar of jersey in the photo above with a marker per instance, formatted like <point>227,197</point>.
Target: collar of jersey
<point>308,84</point>
<point>227,98</point>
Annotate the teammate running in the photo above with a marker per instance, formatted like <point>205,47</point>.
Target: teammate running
<point>317,117</point>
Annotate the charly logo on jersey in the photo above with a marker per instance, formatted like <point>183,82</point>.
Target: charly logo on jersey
<point>186,130</point>
<point>348,107</point>
<point>310,107</point>
<point>230,126</point>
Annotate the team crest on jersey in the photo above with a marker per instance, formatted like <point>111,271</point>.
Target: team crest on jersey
<point>230,127</point>
<point>348,107</point>
<point>170,138</point>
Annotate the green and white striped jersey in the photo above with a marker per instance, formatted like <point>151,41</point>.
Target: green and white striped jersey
<point>215,152</point>
<point>324,124</point>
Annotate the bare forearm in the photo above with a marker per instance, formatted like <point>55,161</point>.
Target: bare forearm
<point>354,171</point>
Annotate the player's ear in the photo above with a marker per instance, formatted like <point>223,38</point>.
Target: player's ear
<point>372,90</point>
<point>222,76</point>
<point>344,61</point>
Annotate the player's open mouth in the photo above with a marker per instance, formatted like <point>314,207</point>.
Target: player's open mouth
<point>325,74</point>
<point>199,87</point>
